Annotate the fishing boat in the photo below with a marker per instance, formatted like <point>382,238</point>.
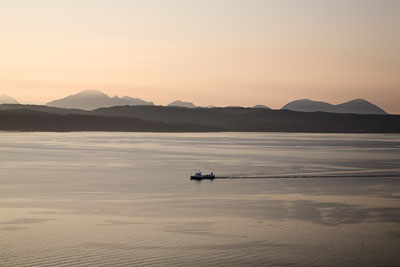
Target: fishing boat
<point>199,176</point>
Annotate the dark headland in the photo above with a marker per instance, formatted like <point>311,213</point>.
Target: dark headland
<point>150,118</point>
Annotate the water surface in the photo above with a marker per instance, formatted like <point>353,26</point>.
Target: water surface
<point>125,199</point>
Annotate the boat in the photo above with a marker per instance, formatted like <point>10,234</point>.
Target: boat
<point>199,176</point>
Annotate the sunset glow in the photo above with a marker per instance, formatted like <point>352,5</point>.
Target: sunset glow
<point>208,52</point>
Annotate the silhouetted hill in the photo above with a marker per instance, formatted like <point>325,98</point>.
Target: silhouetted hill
<point>29,120</point>
<point>261,106</point>
<point>5,99</point>
<point>179,103</point>
<point>42,108</point>
<point>179,119</point>
<point>250,119</point>
<point>357,106</point>
<point>206,116</point>
<point>92,99</point>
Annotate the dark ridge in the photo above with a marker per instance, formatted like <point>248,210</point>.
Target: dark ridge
<point>28,120</point>
<point>262,120</point>
<point>42,108</point>
<point>180,119</point>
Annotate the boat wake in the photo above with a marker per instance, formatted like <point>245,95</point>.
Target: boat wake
<point>394,175</point>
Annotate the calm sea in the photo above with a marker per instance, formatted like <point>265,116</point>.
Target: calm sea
<point>125,199</point>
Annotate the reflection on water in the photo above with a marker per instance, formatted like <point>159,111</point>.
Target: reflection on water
<point>125,199</point>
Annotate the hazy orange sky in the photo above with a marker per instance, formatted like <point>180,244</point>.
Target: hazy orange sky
<point>210,52</point>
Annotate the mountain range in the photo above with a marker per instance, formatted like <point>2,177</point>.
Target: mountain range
<point>94,99</point>
<point>92,110</point>
<point>357,106</point>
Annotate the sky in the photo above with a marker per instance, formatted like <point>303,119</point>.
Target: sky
<point>210,52</point>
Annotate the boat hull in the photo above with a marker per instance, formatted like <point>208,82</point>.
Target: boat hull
<point>202,178</point>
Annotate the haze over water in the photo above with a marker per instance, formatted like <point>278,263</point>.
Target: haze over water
<point>125,199</point>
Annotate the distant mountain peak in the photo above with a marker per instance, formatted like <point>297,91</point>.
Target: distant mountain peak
<point>92,93</point>
<point>261,106</point>
<point>358,100</point>
<point>93,99</point>
<point>180,103</point>
<point>5,99</point>
<point>357,106</point>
